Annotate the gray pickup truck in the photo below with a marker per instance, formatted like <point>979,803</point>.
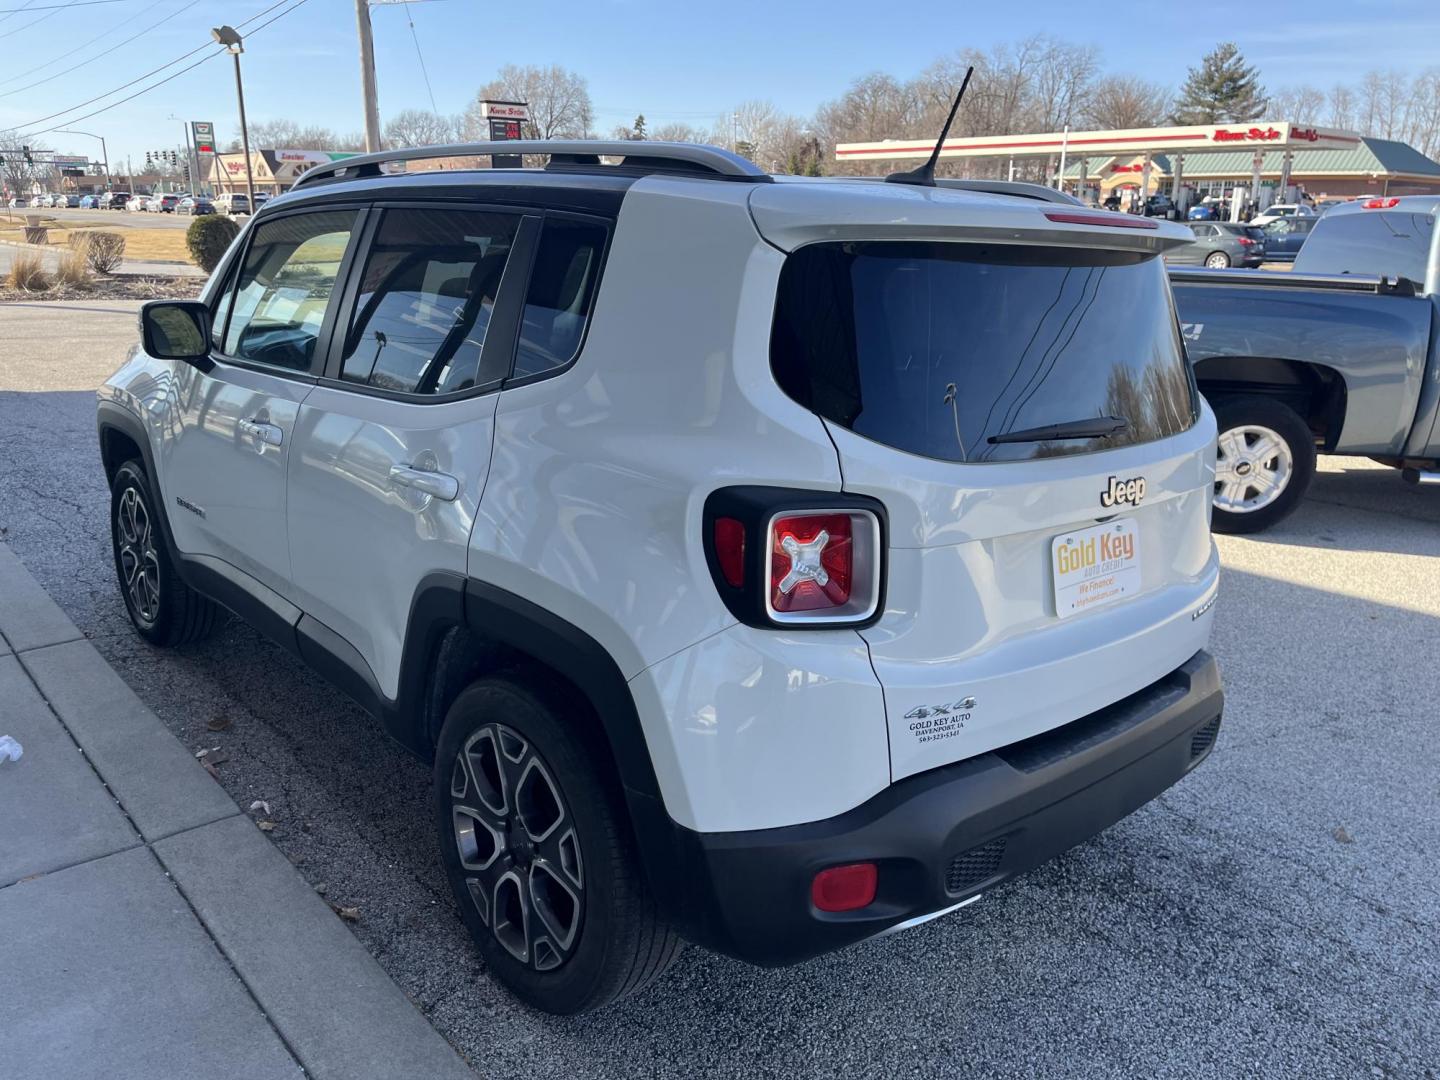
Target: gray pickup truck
<point>1340,356</point>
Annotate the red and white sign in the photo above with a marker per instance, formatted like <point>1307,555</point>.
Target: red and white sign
<point>1254,134</point>
<point>504,110</point>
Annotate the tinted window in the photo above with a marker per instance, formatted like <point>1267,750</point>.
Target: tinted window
<point>562,291</point>
<point>285,288</point>
<point>936,348</point>
<point>1392,243</point>
<point>426,297</point>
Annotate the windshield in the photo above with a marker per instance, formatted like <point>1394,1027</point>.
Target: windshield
<point>938,348</point>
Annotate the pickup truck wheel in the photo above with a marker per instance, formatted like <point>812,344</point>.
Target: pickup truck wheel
<point>537,847</point>
<point>162,608</point>
<point>1264,460</point>
<point>1217,260</point>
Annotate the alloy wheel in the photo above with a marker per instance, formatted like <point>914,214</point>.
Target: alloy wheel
<point>1253,466</point>
<point>139,563</point>
<point>519,852</point>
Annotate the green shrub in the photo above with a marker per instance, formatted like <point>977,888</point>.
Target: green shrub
<point>102,250</point>
<point>208,238</point>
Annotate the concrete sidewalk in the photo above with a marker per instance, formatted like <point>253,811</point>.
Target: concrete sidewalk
<point>148,929</point>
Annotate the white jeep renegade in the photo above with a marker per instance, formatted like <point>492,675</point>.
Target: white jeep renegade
<point>764,562</point>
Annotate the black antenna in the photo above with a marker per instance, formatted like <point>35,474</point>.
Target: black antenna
<point>925,174</point>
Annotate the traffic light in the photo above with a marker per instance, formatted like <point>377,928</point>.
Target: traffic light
<point>147,160</point>
<point>29,157</point>
<point>174,158</point>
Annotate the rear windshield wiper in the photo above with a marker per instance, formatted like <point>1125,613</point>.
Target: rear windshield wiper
<point>1095,428</point>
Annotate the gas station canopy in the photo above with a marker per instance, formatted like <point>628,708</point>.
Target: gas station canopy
<point>1277,135</point>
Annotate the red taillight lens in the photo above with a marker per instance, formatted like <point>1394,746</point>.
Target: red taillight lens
<point>1245,241</point>
<point>812,562</point>
<point>1381,204</point>
<point>730,550</point>
<point>844,888</point>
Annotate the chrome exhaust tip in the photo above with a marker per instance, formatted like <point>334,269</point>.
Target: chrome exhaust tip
<point>1421,477</point>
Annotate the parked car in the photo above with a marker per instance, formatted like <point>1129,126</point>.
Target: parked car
<point>72,200</point>
<point>877,639</point>
<point>1201,212</point>
<point>195,204</point>
<point>1159,206</point>
<point>261,198</point>
<point>1338,355</point>
<point>114,200</point>
<point>140,203</point>
<point>1276,211</point>
<point>167,203</point>
<point>90,202</point>
<point>1323,206</point>
<point>1285,237</point>
<point>1218,244</point>
<point>233,203</point>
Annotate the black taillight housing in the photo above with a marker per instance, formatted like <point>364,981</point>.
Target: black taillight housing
<point>788,557</point>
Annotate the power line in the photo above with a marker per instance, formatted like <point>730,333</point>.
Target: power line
<point>421,57</point>
<point>100,55</point>
<point>56,7</point>
<point>220,50</point>
<point>13,12</point>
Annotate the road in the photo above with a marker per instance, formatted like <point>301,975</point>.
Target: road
<point>1275,914</point>
<point>75,218</point>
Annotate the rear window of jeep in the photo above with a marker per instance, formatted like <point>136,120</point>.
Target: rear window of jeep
<point>936,348</point>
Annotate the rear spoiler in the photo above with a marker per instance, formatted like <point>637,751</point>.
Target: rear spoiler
<point>1270,279</point>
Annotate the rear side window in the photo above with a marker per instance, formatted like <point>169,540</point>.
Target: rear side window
<point>426,296</point>
<point>562,292</point>
<point>937,348</point>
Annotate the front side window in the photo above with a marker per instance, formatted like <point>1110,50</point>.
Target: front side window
<point>562,291</point>
<point>286,286</point>
<point>970,352</point>
<point>426,297</point>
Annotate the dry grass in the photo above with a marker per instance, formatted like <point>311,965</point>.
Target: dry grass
<point>28,273</point>
<point>140,242</point>
<point>72,273</point>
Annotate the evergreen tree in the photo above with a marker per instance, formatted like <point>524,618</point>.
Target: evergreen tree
<point>1223,89</point>
<point>638,127</point>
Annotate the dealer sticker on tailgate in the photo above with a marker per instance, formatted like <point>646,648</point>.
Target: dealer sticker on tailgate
<point>1095,566</point>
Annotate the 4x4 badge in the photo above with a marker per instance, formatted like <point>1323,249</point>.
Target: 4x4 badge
<point>920,712</point>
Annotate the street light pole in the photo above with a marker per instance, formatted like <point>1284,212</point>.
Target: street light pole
<point>104,154</point>
<point>234,45</point>
<point>367,75</point>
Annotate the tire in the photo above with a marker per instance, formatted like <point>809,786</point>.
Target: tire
<point>1260,438</point>
<point>530,826</point>
<point>163,609</point>
<point>1217,260</point>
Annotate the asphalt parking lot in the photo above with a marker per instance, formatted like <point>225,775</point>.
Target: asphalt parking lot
<point>1275,914</point>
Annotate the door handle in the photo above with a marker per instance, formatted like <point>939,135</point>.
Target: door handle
<point>441,485</point>
<point>261,432</point>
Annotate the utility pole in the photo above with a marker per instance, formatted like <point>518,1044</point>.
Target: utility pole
<point>367,75</point>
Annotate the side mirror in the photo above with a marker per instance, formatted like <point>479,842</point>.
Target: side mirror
<point>177,330</point>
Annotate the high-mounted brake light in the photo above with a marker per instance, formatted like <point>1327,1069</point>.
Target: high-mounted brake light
<point>845,888</point>
<point>1381,204</point>
<point>1114,221</point>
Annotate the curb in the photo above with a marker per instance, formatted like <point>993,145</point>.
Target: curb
<point>335,1009</point>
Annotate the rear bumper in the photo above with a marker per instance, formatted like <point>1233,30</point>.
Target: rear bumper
<point>944,835</point>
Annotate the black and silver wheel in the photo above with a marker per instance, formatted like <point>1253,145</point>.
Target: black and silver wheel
<point>162,608</point>
<point>1217,260</point>
<point>538,850</point>
<point>1264,459</point>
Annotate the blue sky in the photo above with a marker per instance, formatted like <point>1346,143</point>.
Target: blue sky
<point>671,61</point>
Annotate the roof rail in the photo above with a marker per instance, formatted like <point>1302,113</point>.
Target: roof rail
<point>690,159</point>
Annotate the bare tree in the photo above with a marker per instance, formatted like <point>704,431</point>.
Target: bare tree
<point>680,132</point>
<point>287,134</point>
<point>1302,103</point>
<point>17,174</point>
<point>419,127</point>
<point>559,101</point>
<point>1123,101</point>
<point>1341,101</point>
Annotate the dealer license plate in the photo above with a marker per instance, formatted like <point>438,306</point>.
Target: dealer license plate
<point>1095,566</point>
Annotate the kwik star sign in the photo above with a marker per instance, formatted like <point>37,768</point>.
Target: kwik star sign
<point>1170,140</point>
